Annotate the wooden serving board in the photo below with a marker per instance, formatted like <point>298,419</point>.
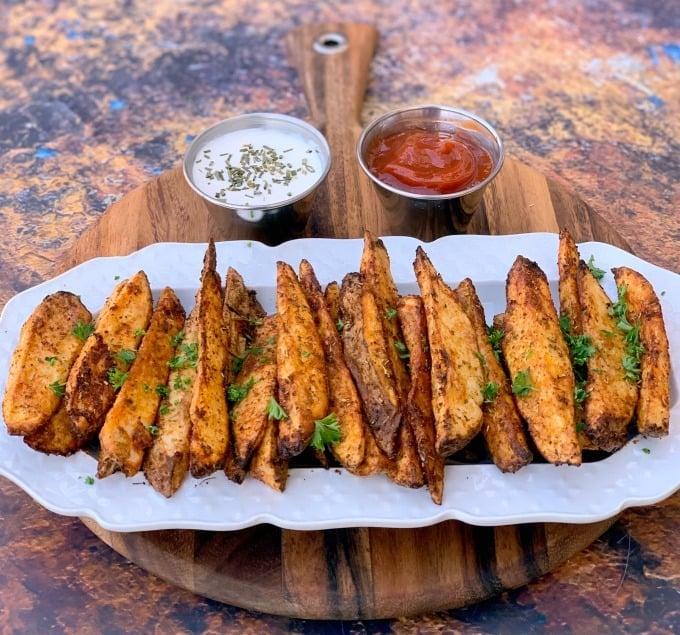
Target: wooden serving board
<point>353,573</point>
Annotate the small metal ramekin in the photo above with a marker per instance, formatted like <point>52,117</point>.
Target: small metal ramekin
<point>458,206</point>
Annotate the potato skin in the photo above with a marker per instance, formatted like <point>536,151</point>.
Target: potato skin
<point>644,308</point>
<point>457,374</point>
<point>610,404</point>
<point>301,367</point>
<point>502,426</point>
<point>533,345</point>
<point>42,358</point>
<point>126,432</point>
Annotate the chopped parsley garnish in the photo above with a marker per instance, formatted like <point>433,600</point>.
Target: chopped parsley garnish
<point>58,388</point>
<point>490,391</point>
<point>402,350</point>
<point>163,391</point>
<point>495,336</point>
<point>51,360</point>
<point>339,325</point>
<point>154,431</point>
<point>126,356</point>
<point>178,338</point>
<point>275,411</point>
<point>390,313</point>
<point>596,271</point>
<point>187,356</point>
<point>521,384</point>
<point>88,480</point>
<point>83,330</point>
<point>236,393</point>
<point>631,334</point>
<point>326,432</point>
<point>117,377</point>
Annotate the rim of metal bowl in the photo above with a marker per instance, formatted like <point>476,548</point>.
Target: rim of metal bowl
<point>368,129</point>
<point>243,122</point>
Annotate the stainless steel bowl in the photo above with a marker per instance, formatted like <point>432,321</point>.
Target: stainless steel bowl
<point>400,202</point>
<point>231,188</point>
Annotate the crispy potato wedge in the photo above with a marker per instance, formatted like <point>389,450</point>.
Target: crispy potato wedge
<point>457,375</point>
<point>364,346</point>
<point>377,277</point>
<point>405,469</point>
<point>41,361</point>
<point>266,464</point>
<point>418,415</point>
<point>242,312</point>
<point>611,397</point>
<point>119,328</point>
<point>167,460</point>
<point>332,296</point>
<point>644,310</point>
<point>568,259</point>
<point>127,429</point>
<point>301,365</point>
<point>209,441</point>
<point>538,363</point>
<point>343,394</point>
<point>251,392</point>
<point>502,426</point>
<point>375,460</point>
<point>55,436</point>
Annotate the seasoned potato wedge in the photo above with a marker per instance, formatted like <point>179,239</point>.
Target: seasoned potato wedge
<point>457,374</point>
<point>251,392</point>
<point>301,365</point>
<point>418,415</point>
<point>365,352</point>
<point>344,398</point>
<point>55,436</point>
<point>167,460</point>
<point>48,345</point>
<point>643,311</point>
<point>266,464</point>
<point>209,441</point>
<point>568,259</point>
<point>502,427</point>
<point>611,397</point>
<point>119,328</point>
<point>538,363</point>
<point>127,429</point>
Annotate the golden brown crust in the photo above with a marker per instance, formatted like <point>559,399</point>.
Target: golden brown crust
<point>126,432</point>
<point>534,348</point>
<point>457,374</point>
<point>644,308</point>
<point>41,361</point>
<point>301,366</point>
<point>502,427</point>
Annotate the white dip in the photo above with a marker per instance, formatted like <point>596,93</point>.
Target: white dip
<point>257,167</point>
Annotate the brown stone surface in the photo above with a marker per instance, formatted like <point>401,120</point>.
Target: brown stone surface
<point>98,97</point>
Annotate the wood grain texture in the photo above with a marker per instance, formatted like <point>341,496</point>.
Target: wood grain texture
<point>355,573</point>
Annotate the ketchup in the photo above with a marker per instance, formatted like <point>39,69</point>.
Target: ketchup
<point>429,162</point>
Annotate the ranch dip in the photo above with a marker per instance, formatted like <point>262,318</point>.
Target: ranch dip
<point>257,167</point>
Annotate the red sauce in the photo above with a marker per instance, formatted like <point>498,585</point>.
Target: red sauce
<point>429,162</point>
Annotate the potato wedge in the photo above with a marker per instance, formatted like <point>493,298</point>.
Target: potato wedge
<point>55,436</point>
<point>611,397</point>
<point>568,259</point>
<point>538,363</point>
<point>457,375</point>
<point>502,427</point>
<point>41,361</point>
<point>241,313</point>
<point>127,429</point>
<point>332,296</point>
<point>119,328</point>
<point>643,311</point>
<point>167,460</point>
<point>343,394</point>
<point>209,441</point>
<point>266,464</point>
<point>366,355</point>
<point>251,392</point>
<point>377,277</point>
<point>301,366</point>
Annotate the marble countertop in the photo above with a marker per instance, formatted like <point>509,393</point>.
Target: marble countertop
<point>96,98</point>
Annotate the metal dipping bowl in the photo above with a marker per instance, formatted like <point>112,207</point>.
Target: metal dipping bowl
<point>457,207</point>
<point>290,212</point>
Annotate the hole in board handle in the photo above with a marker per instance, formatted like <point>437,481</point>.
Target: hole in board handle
<point>329,43</point>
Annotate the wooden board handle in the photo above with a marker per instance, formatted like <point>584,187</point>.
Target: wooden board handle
<point>333,61</point>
